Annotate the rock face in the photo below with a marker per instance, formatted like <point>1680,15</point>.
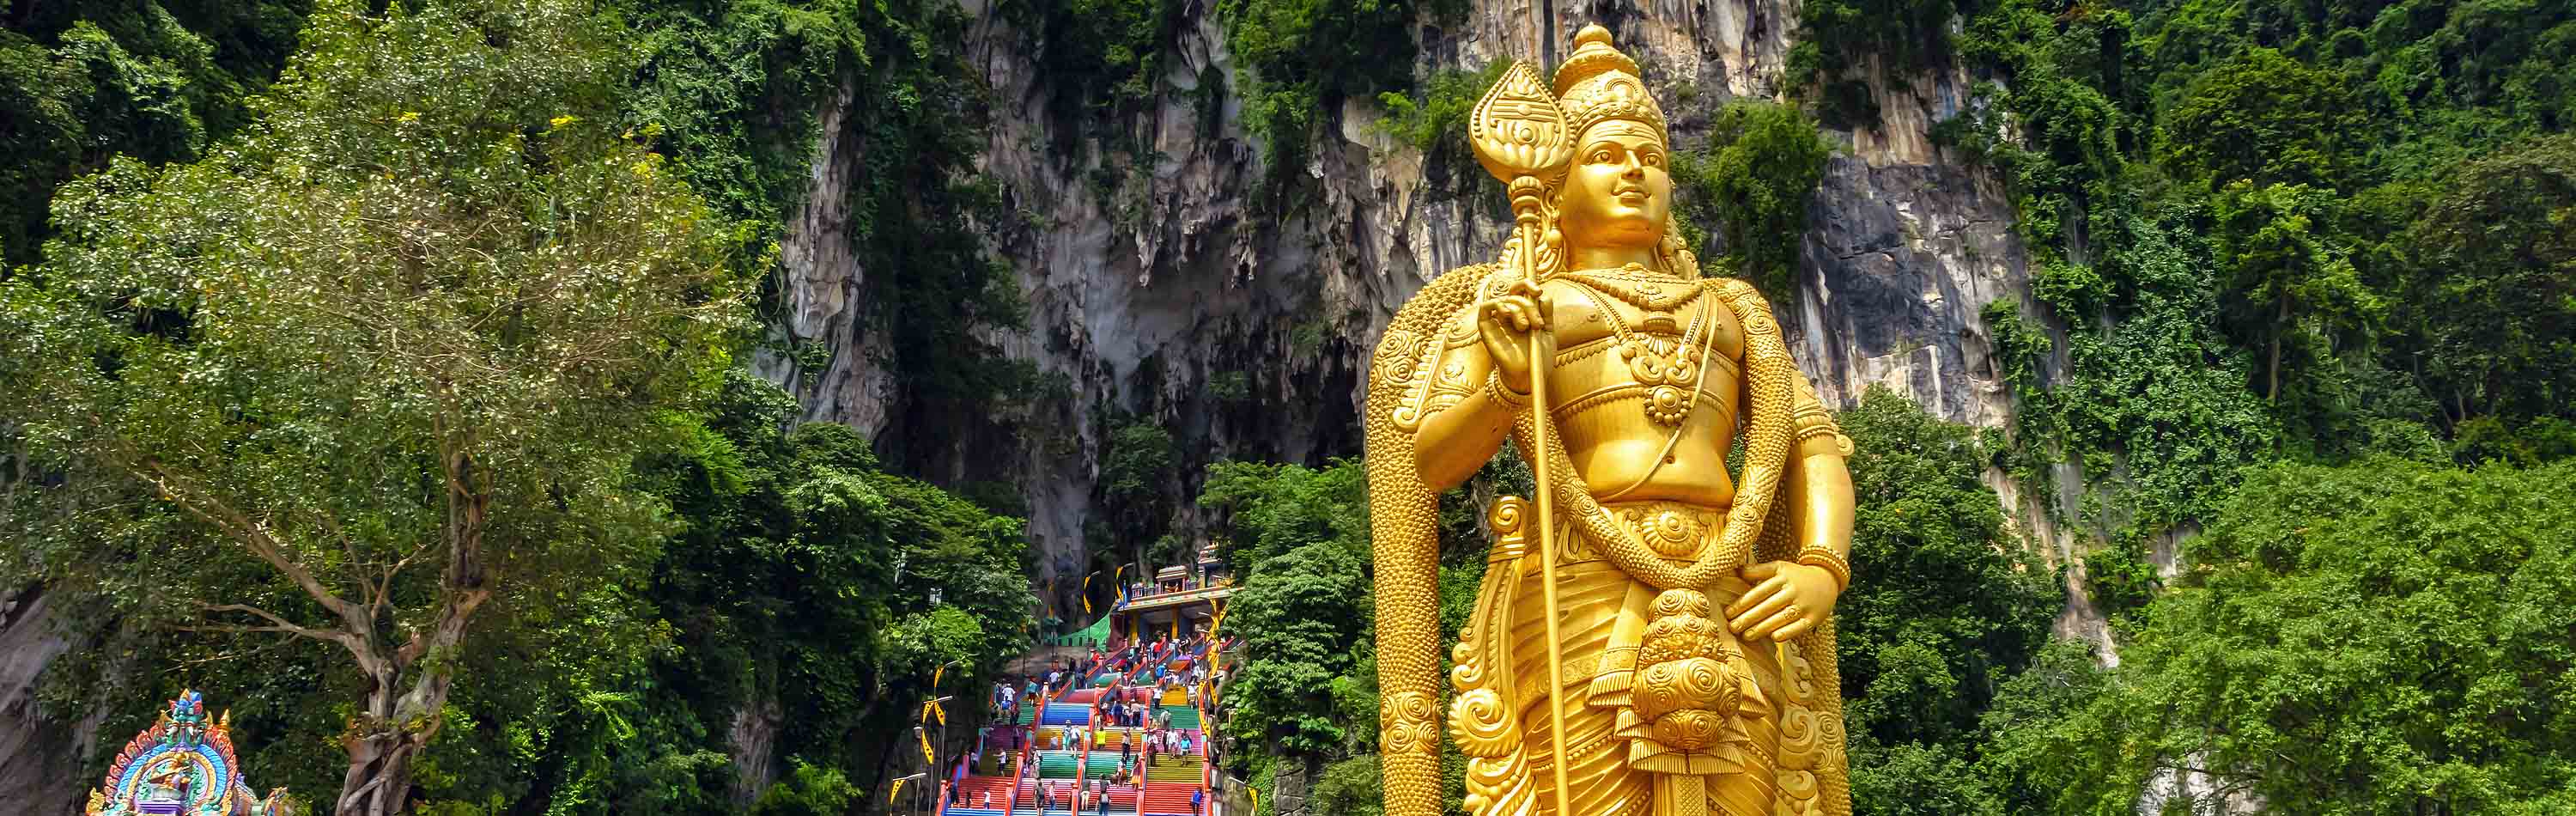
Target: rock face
<point>1143,296</point>
<point>40,758</point>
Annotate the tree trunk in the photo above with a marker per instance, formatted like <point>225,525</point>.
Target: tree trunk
<point>379,779</point>
<point>2280,327</point>
<point>381,748</point>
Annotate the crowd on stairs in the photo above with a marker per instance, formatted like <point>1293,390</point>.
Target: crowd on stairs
<point>1119,730</point>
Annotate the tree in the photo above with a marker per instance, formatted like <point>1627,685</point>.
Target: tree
<point>1945,605</point>
<point>2491,302</point>
<point>2289,278</point>
<point>158,80</point>
<point>1132,472</point>
<point>1763,165</point>
<point>379,368</point>
<point>1306,612</point>
<point>2263,117</point>
<point>2381,637</point>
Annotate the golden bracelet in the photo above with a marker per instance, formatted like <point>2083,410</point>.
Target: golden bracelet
<point>1503,393</point>
<point>1829,561</point>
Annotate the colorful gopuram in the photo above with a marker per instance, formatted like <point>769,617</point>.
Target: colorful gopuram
<point>182,766</point>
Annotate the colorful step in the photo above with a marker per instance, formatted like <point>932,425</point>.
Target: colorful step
<point>1122,798</point>
<point>1183,717</point>
<point>972,797</point>
<point>1069,714</point>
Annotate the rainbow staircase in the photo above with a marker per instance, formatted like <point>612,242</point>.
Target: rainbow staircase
<point>1065,769</point>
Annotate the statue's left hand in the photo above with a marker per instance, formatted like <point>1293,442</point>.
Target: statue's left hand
<point>1789,599</point>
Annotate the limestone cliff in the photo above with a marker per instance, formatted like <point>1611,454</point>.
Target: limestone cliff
<point>1143,295</point>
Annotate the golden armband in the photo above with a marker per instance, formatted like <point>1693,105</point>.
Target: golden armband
<point>1829,561</point>
<point>1503,394</point>
<point>1812,420</point>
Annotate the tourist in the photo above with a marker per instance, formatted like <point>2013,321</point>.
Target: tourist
<point>1198,801</point>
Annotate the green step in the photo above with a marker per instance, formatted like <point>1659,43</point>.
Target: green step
<point>1059,765</point>
<point>1052,765</point>
<point>1183,717</point>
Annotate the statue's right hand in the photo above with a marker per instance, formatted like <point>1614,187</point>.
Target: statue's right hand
<point>1505,323</point>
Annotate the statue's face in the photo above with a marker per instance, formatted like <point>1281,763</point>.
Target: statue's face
<point>1618,193</point>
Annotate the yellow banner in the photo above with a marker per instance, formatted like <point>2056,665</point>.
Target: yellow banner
<point>1219,620</point>
<point>1086,593</point>
<point>1256,798</point>
<point>892,792</point>
<point>926,760</point>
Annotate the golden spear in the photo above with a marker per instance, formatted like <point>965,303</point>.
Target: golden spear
<point>1520,137</point>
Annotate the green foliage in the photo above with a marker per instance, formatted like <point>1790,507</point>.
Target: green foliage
<point>1953,602</point>
<point>1102,58</point>
<point>374,373</point>
<point>810,791</point>
<point>2118,577</point>
<point>1306,694</point>
<point>2042,736</point>
<point>2490,301</point>
<point>2383,637</point>
<point>2320,159</point>
<point>735,91</point>
<point>1305,622</point>
<point>2263,118</point>
<point>1838,39</point>
<point>1945,607</point>
<point>1354,786</point>
<point>2542,439</point>
<point>82,83</point>
<point>1433,119</point>
<point>1760,168</point>
<point>1230,386</point>
<point>1300,539</point>
<point>1132,475</point>
<point>2292,284</point>
<point>1304,57</point>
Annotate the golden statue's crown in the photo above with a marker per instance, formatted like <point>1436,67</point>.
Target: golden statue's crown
<point>1598,84</point>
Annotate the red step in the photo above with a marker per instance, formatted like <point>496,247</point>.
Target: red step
<point>970,789</point>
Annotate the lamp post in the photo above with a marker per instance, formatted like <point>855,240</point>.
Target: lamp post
<point>898,789</point>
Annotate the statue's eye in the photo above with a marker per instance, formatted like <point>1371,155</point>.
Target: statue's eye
<point>1600,157</point>
<point>1654,159</point>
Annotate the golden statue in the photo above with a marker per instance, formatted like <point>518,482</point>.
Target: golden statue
<point>1658,641</point>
